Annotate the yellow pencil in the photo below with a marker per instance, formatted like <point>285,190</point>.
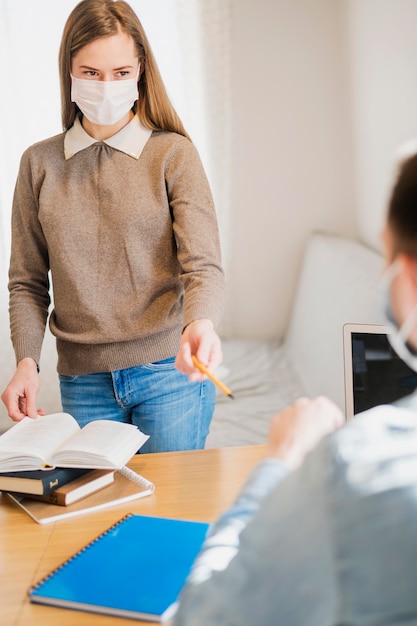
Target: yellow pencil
<point>203,369</point>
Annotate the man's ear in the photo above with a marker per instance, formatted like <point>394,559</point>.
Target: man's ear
<point>387,245</point>
<point>408,266</point>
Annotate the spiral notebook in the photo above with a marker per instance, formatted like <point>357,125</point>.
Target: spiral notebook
<point>147,560</point>
<point>127,486</point>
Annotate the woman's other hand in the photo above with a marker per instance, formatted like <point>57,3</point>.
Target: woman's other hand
<point>21,392</point>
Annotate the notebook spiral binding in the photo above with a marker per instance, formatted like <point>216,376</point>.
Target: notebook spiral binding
<point>136,478</point>
<point>86,547</point>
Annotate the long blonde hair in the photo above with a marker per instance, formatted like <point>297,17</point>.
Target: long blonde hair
<point>92,19</point>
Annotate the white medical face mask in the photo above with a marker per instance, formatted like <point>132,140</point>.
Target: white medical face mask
<point>104,102</point>
<point>397,335</point>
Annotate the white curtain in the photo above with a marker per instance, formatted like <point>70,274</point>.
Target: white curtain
<point>205,46</point>
<point>191,42</point>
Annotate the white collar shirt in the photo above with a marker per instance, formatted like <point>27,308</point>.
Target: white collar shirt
<point>131,139</point>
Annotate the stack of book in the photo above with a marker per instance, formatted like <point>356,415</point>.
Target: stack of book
<point>61,485</point>
<point>53,469</point>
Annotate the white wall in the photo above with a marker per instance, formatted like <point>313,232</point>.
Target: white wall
<point>383,86</point>
<point>324,93</point>
<point>291,155</point>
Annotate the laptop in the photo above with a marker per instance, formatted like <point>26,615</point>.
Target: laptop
<point>374,374</point>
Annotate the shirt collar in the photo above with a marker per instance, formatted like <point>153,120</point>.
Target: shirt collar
<point>131,139</point>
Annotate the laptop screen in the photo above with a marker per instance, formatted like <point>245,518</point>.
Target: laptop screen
<point>374,374</point>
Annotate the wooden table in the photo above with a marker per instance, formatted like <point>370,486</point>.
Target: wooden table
<point>195,485</point>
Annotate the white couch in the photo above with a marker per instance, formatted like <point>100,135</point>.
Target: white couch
<point>337,284</point>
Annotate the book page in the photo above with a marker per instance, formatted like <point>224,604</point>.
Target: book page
<point>101,439</point>
<point>37,438</point>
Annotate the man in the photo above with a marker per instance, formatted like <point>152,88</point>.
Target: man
<point>325,530</point>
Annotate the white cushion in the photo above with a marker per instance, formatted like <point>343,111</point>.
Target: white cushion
<point>338,284</point>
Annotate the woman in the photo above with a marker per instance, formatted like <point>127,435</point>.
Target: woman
<point>118,210</point>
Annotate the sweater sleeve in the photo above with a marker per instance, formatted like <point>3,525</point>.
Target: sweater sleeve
<point>28,272</point>
<point>268,560</point>
<point>196,234</point>
<point>222,541</point>
<point>222,545</point>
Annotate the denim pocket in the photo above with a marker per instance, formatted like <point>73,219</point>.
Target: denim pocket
<point>166,364</point>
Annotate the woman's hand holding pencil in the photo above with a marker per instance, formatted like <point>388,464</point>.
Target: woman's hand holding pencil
<point>200,337</point>
<point>203,369</point>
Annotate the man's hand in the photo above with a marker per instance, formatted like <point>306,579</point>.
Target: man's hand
<point>201,340</point>
<point>20,394</point>
<point>298,429</point>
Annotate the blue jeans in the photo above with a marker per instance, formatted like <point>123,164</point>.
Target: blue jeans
<point>155,397</point>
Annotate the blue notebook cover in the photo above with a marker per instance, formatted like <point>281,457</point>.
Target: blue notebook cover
<point>135,569</point>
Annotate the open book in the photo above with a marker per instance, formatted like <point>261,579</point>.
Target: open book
<point>57,440</point>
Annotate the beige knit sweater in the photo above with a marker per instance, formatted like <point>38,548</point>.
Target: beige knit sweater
<point>132,247</point>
